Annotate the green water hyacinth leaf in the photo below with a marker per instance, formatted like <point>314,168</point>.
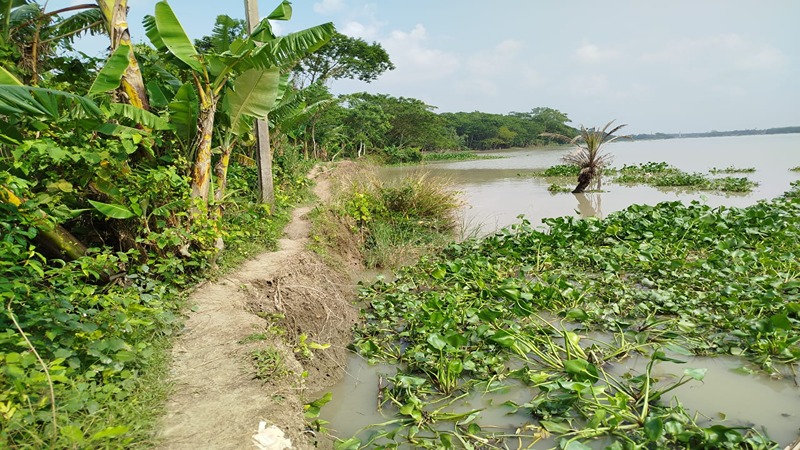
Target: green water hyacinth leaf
<point>313,409</point>
<point>697,374</point>
<point>555,427</point>
<point>654,429</point>
<point>503,338</point>
<point>456,340</point>
<point>581,370</point>
<point>113,211</point>
<point>350,444</point>
<point>436,341</point>
<point>780,322</point>
<point>576,445</point>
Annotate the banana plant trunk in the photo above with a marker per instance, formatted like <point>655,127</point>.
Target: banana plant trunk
<point>132,89</point>
<point>201,172</point>
<point>221,177</point>
<point>56,240</point>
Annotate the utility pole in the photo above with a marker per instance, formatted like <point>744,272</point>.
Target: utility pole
<point>266,189</point>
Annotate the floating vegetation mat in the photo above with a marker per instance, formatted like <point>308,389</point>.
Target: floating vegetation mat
<point>662,282</point>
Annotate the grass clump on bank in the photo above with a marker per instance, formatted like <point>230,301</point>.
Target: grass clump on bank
<point>515,308</point>
<point>393,221</point>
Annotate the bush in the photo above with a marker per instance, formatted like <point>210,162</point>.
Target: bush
<point>400,155</point>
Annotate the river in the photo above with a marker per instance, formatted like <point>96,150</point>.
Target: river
<point>497,191</point>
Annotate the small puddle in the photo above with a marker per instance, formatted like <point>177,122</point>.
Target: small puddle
<point>727,396</point>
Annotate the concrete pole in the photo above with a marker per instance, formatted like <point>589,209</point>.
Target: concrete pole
<point>266,189</point>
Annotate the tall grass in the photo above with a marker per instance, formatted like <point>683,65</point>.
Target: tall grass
<point>395,220</point>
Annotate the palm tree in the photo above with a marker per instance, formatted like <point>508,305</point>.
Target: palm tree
<point>589,156</point>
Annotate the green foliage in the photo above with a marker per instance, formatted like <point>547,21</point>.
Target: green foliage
<point>660,280</point>
<point>96,340</point>
<point>269,364</point>
<point>557,188</point>
<point>344,57</point>
<point>397,220</point>
<point>483,131</point>
<point>562,170</point>
<point>400,155</point>
<point>732,169</point>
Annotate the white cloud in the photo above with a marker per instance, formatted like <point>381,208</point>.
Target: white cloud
<point>588,85</point>
<point>360,30</point>
<point>499,59</point>
<point>328,6</point>
<point>725,51</point>
<point>414,59</point>
<point>591,54</point>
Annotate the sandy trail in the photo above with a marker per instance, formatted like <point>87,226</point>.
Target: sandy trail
<point>216,402</point>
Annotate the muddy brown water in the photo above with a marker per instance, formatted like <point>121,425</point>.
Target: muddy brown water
<point>497,191</point>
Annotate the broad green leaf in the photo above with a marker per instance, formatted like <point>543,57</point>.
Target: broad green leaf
<point>41,103</point>
<point>654,429</point>
<point>184,111</point>
<point>71,432</point>
<point>253,95</point>
<point>350,444</point>
<point>139,116</point>
<point>114,211</point>
<point>111,74</point>
<point>504,338</point>
<point>174,38</point>
<point>581,370</point>
<point>436,341</point>
<point>697,374</point>
<point>313,409</point>
<point>110,432</point>
<point>456,339</point>
<point>282,12</point>
<point>287,49</point>
<point>555,427</point>
<point>576,445</point>
<point>7,78</point>
<point>780,322</point>
<point>156,94</point>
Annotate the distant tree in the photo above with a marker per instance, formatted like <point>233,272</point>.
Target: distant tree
<point>226,30</point>
<point>589,155</point>
<point>343,57</point>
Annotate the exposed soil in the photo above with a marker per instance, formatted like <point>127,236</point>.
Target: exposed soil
<point>269,303</point>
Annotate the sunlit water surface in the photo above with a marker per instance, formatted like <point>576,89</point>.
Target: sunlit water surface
<point>497,191</point>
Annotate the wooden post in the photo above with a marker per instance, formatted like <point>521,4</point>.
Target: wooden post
<point>266,189</point>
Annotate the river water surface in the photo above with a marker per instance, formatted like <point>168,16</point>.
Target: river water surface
<point>497,191</point>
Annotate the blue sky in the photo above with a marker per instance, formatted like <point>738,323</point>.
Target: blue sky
<point>671,66</point>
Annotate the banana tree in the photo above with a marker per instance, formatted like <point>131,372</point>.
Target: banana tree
<point>132,89</point>
<point>247,74</point>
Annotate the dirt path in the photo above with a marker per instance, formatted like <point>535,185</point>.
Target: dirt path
<point>267,305</point>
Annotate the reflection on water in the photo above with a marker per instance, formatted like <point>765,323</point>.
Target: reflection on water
<point>589,205</point>
<point>497,191</point>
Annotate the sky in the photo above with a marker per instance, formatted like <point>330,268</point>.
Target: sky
<point>658,66</point>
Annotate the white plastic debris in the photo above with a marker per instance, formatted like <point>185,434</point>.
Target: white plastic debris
<point>270,438</point>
